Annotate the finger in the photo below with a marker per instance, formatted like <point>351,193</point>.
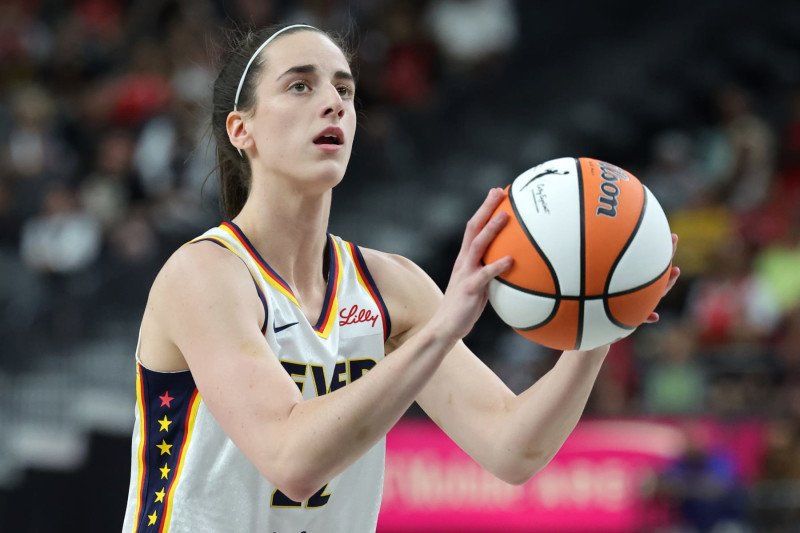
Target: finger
<point>674,273</point>
<point>481,216</point>
<point>495,268</point>
<point>487,234</point>
<point>673,278</point>
<point>674,243</point>
<point>652,318</point>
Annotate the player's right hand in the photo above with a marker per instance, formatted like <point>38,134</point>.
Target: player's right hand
<point>468,289</point>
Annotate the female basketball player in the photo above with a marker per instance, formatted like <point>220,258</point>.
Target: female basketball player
<point>274,357</point>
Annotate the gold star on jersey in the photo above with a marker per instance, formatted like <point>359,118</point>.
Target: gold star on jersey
<point>167,409</point>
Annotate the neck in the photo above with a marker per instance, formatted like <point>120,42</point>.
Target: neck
<point>289,230</point>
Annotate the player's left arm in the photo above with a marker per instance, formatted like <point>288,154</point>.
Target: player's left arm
<point>512,436</point>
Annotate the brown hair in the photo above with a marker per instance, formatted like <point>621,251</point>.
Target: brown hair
<point>233,167</point>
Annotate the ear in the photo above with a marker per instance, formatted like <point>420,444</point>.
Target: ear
<point>237,130</point>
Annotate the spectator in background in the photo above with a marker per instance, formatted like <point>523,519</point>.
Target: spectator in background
<point>409,69</point>
<point>673,174</point>
<point>705,487</point>
<point>112,185</point>
<point>617,387</point>
<point>21,292</point>
<point>787,371</point>
<point>739,153</point>
<point>704,230</point>
<point>472,34</point>
<point>778,266</point>
<point>772,220</point>
<point>776,498</point>
<point>674,381</point>
<point>730,307</point>
<point>789,153</point>
<point>113,194</point>
<point>35,150</point>
<point>63,238</point>
<point>60,244</point>
<point>144,91</point>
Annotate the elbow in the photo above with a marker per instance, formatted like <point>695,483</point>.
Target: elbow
<point>518,470</point>
<point>296,484</point>
<point>518,478</point>
<point>518,475</point>
<point>297,491</point>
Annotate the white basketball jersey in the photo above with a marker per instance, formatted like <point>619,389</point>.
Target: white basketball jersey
<point>187,476</point>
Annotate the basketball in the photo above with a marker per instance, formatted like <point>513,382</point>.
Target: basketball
<point>592,253</point>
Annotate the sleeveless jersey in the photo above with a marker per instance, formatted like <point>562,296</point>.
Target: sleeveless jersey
<point>188,476</point>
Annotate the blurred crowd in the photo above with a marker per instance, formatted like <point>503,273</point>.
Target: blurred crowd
<point>729,342</point>
<point>106,162</point>
<point>106,166</point>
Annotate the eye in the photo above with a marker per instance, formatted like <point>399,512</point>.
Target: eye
<point>299,87</point>
<point>345,91</point>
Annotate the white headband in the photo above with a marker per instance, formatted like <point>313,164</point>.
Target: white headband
<point>258,51</point>
<point>253,58</point>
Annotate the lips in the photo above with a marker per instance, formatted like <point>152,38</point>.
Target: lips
<point>330,136</point>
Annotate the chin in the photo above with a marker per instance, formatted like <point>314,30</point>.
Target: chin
<point>322,179</point>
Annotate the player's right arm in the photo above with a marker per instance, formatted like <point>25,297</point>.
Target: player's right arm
<point>204,310</point>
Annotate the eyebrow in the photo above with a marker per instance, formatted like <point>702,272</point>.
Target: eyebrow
<point>311,69</point>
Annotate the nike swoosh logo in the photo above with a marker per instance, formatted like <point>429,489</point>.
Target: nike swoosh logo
<point>278,329</point>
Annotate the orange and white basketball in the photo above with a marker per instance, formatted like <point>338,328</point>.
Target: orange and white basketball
<point>592,254</point>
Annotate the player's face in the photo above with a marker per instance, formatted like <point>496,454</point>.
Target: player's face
<point>304,119</point>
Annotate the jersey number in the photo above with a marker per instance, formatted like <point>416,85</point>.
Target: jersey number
<point>319,499</point>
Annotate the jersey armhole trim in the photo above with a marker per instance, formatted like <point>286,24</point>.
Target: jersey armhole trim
<point>369,284</point>
<point>223,244</point>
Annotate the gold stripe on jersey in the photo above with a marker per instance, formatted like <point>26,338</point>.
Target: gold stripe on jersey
<point>194,403</point>
<point>142,444</point>
<point>266,274</point>
<point>332,300</point>
<point>221,242</point>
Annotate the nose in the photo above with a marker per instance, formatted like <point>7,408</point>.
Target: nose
<point>333,103</point>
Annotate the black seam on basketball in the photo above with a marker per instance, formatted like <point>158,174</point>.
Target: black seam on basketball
<point>535,293</point>
<point>614,265</point>
<point>638,287</point>
<point>533,242</point>
<point>628,242</point>
<point>582,218</point>
<point>617,322</point>
<point>606,294</point>
<point>545,321</point>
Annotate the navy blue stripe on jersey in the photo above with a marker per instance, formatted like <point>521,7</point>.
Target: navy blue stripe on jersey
<point>258,288</point>
<point>361,264</point>
<point>333,275</point>
<point>255,253</point>
<point>166,401</point>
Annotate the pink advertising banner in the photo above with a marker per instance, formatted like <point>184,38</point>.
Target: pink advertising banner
<point>600,481</point>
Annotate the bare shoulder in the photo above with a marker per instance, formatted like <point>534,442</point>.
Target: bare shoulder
<point>202,266</point>
<point>198,278</point>
<point>410,294</point>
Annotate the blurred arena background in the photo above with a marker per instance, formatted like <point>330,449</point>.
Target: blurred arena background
<point>104,155</point>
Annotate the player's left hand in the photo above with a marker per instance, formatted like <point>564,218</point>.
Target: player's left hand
<point>673,277</point>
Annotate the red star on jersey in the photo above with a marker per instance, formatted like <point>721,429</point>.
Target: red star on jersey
<point>166,399</point>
